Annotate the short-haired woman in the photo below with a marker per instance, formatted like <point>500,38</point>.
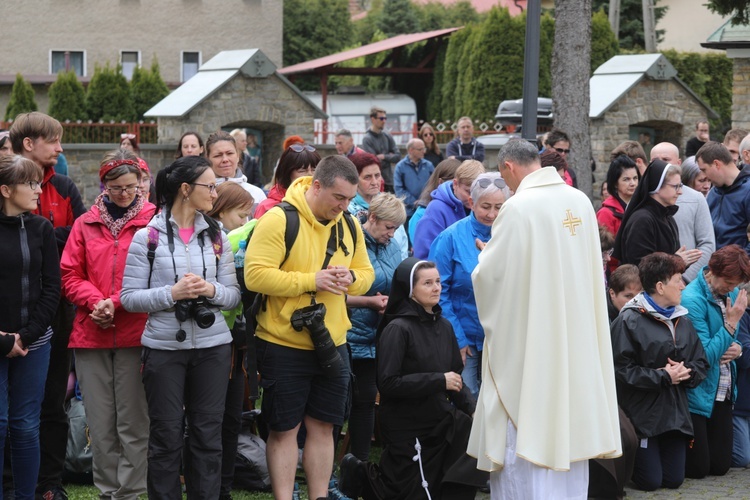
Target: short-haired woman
<point>298,160</point>
<point>715,306</point>
<point>180,270</point>
<point>456,253</point>
<point>657,355</point>
<point>106,337</point>
<point>30,284</point>
<point>386,214</point>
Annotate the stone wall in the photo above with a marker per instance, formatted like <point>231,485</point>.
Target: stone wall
<point>266,104</point>
<point>664,106</point>
<point>741,93</point>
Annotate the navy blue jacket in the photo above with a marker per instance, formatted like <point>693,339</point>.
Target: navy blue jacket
<point>730,211</point>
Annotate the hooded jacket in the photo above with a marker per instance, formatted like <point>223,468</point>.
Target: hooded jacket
<point>162,324</point>
<point>30,278</point>
<point>384,259</point>
<point>730,211</point>
<point>92,266</point>
<point>456,254</point>
<point>443,210</point>
<point>610,214</point>
<point>60,203</point>
<point>275,195</point>
<point>239,178</point>
<point>288,287</point>
<point>642,340</point>
<point>708,321</point>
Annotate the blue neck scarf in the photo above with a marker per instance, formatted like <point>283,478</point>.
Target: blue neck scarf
<point>667,313</point>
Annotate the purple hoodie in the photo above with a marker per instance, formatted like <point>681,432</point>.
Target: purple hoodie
<point>443,210</point>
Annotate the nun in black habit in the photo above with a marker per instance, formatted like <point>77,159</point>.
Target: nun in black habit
<point>425,411</point>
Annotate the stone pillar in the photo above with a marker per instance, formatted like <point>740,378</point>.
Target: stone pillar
<point>741,92</point>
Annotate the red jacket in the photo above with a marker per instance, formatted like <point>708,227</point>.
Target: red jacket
<point>610,216</point>
<point>275,195</point>
<point>60,203</point>
<point>92,267</point>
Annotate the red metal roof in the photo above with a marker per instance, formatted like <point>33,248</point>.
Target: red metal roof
<point>365,50</point>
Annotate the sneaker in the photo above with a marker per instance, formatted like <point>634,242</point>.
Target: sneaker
<point>333,491</point>
<point>56,493</point>
<point>350,482</point>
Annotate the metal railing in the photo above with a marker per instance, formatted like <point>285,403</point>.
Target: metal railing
<point>81,132</point>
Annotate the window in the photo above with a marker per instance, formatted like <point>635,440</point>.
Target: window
<point>129,61</point>
<point>63,60</point>
<point>191,61</point>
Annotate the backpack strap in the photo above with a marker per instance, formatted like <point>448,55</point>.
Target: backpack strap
<point>292,227</point>
<point>152,243</point>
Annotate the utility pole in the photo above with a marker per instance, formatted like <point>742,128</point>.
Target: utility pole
<point>531,70</point>
<point>614,17</point>
<point>649,26</point>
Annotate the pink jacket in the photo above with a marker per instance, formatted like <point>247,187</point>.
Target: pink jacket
<point>92,267</point>
<point>275,195</point>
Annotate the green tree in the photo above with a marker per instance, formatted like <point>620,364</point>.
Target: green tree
<point>604,45</point>
<point>436,15</point>
<point>21,99</point>
<point>108,96</point>
<point>740,9</point>
<point>435,96</point>
<point>398,17</point>
<point>147,88</point>
<point>631,22</point>
<point>67,98</point>
<point>464,81</point>
<point>451,72</point>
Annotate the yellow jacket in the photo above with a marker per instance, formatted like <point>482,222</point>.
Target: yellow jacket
<point>287,287</point>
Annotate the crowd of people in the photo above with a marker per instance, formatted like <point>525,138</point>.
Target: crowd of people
<point>421,291</point>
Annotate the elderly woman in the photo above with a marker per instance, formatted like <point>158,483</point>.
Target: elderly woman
<point>456,253</point>
<point>370,180</point>
<point>298,160</point>
<point>386,214</point>
<point>451,202</point>
<point>424,406</point>
<point>106,337</point>
<point>715,306</point>
<point>648,225</point>
<point>693,177</point>
<point>657,355</point>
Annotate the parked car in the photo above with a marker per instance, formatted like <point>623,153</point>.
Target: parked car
<point>510,112</point>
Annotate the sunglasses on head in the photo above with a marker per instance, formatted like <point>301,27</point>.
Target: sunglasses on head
<point>485,183</point>
<point>298,148</point>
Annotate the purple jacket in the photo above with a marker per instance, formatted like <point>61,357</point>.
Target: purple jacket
<point>443,210</point>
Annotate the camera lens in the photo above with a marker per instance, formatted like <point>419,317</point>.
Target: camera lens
<point>181,335</point>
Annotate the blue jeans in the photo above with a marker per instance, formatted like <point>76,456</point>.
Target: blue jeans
<point>21,392</point>
<point>741,441</point>
<point>472,374</point>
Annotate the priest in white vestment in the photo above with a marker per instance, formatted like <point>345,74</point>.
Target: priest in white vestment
<point>547,402</point>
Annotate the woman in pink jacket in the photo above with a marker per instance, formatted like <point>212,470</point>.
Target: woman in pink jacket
<point>106,338</point>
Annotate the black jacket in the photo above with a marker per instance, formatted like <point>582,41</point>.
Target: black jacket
<point>641,343</point>
<point>650,229</point>
<point>413,354</point>
<point>29,278</point>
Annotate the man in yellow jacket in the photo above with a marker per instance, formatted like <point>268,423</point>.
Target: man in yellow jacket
<point>302,381</point>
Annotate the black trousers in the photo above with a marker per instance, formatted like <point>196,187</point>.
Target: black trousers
<point>661,463</point>
<point>232,423</point>
<point>53,429</point>
<point>362,417</point>
<point>711,450</point>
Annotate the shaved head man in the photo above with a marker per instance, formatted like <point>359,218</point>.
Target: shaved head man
<point>667,152</point>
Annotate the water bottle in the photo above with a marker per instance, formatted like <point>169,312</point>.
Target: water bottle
<point>239,257</point>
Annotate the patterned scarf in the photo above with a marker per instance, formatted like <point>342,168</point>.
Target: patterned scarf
<point>115,226</point>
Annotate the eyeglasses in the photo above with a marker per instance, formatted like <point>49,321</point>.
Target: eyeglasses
<point>211,187</point>
<point>381,118</point>
<point>485,183</point>
<point>562,151</point>
<point>298,148</point>
<point>117,190</point>
<point>32,184</point>
<point>676,187</point>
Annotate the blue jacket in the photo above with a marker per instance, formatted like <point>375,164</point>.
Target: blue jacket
<point>708,321</point>
<point>360,209</point>
<point>730,211</point>
<point>444,210</point>
<point>456,255</point>
<point>409,179</point>
<point>384,259</point>
<point>742,404</point>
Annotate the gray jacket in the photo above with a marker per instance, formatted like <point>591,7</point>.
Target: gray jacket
<point>162,325</point>
<point>382,143</point>
<point>696,229</point>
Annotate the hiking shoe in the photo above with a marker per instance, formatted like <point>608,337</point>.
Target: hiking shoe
<point>350,478</point>
<point>333,490</point>
<point>56,493</point>
<point>296,494</point>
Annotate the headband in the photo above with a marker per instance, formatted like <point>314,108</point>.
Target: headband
<point>4,134</point>
<point>112,164</point>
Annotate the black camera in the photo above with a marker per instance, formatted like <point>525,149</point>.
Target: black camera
<point>313,318</point>
<point>196,309</point>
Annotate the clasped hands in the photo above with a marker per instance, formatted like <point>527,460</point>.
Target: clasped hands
<point>678,372</point>
<point>192,286</point>
<point>334,279</point>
